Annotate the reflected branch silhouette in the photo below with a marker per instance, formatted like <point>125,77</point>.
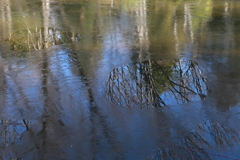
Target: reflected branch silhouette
<point>11,131</point>
<point>198,143</point>
<point>156,83</point>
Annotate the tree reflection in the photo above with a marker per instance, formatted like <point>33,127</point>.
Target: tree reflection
<point>156,83</point>
<point>36,39</point>
<point>198,143</point>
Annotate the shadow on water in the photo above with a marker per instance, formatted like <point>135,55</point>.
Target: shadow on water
<point>156,83</point>
<point>99,125</point>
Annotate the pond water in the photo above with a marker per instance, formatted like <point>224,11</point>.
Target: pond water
<point>119,79</point>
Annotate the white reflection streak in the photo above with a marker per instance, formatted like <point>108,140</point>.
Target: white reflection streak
<point>185,19</point>
<point>188,21</point>
<point>141,16</point>
<point>111,3</point>
<point>9,17</point>
<point>6,26</point>
<point>175,31</point>
<point>226,9</point>
<point>6,17</point>
<point>46,14</point>
<point>2,15</point>
<point>228,34</point>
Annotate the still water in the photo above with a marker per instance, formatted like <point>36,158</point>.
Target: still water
<point>119,79</point>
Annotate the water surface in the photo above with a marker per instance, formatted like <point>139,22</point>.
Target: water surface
<point>119,79</point>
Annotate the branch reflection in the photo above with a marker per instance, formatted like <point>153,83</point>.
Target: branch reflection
<point>11,131</point>
<point>198,144</point>
<point>156,83</point>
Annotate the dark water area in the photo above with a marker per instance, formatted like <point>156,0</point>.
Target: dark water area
<point>119,80</point>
